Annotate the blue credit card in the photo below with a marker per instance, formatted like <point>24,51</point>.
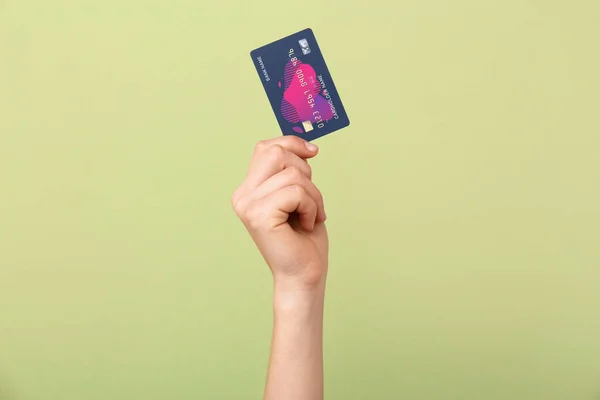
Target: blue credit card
<point>299,86</point>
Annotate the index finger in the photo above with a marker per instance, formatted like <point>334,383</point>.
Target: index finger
<point>294,144</point>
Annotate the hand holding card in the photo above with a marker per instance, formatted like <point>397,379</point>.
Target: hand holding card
<point>299,86</point>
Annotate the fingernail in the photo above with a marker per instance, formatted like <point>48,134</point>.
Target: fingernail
<point>311,147</point>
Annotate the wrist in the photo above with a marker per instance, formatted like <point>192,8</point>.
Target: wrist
<point>289,298</point>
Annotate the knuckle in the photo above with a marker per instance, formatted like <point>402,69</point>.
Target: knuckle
<point>254,217</point>
<point>260,146</point>
<point>235,198</point>
<point>238,202</point>
<point>276,150</point>
<point>309,171</point>
<point>239,207</point>
<point>298,190</point>
<point>276,154</point>
<point>294,173</point>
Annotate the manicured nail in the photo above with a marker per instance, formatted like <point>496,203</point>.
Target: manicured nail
<point>311,147</point>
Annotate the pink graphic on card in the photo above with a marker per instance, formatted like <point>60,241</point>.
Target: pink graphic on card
<point>302,100</point>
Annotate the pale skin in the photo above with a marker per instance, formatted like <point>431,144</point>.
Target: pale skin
<point>284,213</point>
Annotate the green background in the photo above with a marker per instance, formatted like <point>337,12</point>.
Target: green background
<point>463,201</point>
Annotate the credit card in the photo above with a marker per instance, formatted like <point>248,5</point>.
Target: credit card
<point>299,86</point>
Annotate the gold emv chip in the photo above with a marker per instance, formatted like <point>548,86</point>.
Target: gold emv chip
<point>307,126</point>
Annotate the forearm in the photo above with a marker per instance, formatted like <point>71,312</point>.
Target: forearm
<point>296,362</point>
